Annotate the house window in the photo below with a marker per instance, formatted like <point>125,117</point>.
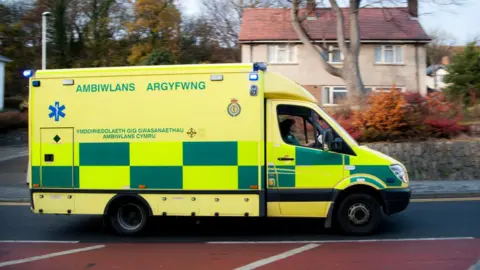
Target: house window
<point>334,55</point>
<point>282,53</point>
<point>332,95</point>
<point>388,54</point>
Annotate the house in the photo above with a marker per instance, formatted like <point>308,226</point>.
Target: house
<point>392,49</point>
<point>435,77</point>
<point>3,61</point>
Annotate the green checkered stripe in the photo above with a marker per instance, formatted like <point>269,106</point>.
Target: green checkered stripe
<point>382,172</point>
<point>287,174</point>
<point>303,157</point>
<point>194,154</point>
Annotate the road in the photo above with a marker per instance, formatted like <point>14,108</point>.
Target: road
<point>428,235</point>
<point>231,244</point>
<point>420,220</point>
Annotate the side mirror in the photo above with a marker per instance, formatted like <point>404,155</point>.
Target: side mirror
<point>327,137</point>
<point>337,145</point>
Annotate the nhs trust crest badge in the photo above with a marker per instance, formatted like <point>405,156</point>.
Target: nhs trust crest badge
<point>234,108</point>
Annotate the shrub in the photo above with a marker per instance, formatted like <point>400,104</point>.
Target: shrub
<point>13,102</point>
<point>443,117</point>
<point>393,116</point>
<point>24,106</point>
<point>384,119</point>
<point>12,120</point>
<point>347,122</point>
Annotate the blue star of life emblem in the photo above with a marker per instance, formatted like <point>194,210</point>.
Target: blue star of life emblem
<point>56,111</point>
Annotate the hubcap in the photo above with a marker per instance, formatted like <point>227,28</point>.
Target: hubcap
<point>358,214</point>
<point>130,216</point>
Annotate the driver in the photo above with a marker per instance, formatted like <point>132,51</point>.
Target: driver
<point>286,129</point>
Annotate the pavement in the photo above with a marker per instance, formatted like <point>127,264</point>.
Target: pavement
<point>428,235</point>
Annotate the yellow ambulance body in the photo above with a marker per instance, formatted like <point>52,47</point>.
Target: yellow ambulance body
<point>199,140</point>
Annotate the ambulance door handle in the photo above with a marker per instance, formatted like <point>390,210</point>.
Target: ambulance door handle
<point>285,158</point>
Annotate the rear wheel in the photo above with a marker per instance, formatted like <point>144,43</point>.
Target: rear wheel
<point>359,214</point>
<point>128,217</point>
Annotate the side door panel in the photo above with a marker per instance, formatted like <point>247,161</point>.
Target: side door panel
<point>273,206</point>
<point>305,174</point>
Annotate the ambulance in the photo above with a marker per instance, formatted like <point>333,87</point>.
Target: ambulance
<point>219,140</point>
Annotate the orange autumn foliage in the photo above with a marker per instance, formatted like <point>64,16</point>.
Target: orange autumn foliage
<point>385,117</point>
<point>396,116</point>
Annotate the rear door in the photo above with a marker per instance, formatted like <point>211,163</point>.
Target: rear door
<point>57,170</point>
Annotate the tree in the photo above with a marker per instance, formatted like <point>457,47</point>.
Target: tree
<point>156,26</point>
<point>225,17</point>
<point>464,75</point>
<point>197,42</point>
<point>441,46</point>
<point>17,44</point>
<point>350,72</point>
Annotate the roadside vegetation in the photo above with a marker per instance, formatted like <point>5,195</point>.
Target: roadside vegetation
<point>402,116</point>
<point>408,116</point>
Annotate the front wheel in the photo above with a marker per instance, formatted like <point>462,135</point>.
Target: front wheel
<point>128,218</point>
<point>359,214</point>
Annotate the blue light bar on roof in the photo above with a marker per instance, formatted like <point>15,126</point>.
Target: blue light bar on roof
<point>260,66</point>
<point>27,73</point>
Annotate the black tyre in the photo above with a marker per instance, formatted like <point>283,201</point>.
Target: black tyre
<point>359,214</point>
<point>128,217</point>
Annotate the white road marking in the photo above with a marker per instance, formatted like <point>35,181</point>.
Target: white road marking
<point>14,204</point>
<point>340,241</point>
<point>46,256</point>
<point>38,241</point>
<point>19,154</point>
<point>278,257</point>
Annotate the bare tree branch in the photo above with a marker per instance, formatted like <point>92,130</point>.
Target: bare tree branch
<point>354,27</point>
<point>307,43</point>
<point>340,27</point>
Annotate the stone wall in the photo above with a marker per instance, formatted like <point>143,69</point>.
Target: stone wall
<point>457,160</point>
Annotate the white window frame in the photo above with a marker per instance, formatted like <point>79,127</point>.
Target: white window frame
<point>330,54</point>
<point>386,89</point>
<point>288,48</point>
<point>332,89</point>
<point>383,48</point>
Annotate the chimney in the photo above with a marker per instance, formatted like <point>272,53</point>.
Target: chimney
<point>413,8</point>
<point>311,5</point>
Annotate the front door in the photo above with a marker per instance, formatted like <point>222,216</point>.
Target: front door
<point>304,174</point>
<point>57,170</point>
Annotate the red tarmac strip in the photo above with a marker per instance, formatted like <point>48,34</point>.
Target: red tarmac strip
<point>425,255</point>
<point>17,251</point>
<point>411,255</point>
<point>159,256</point>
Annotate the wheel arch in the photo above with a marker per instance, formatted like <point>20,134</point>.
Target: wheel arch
<point>127,197</point>
<point>339,195</point>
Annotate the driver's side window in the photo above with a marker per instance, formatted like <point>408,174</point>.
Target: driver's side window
<point>295,124</point>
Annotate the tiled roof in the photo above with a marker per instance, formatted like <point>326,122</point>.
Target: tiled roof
<point>375,24</point>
